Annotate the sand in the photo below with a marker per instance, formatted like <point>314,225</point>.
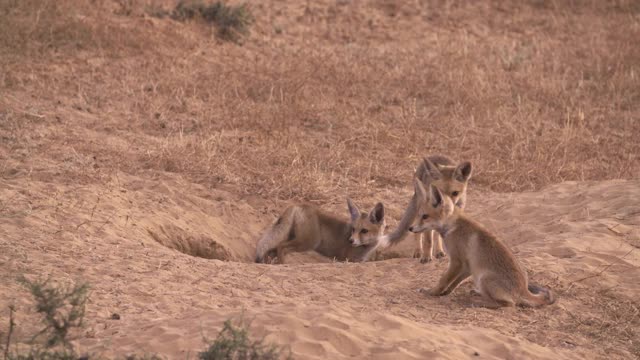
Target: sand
<point>130,143</point>
<point>578,238</point>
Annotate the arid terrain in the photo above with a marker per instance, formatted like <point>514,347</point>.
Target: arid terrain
<point>145,155</point>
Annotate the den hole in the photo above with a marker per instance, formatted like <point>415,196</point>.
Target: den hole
<point>200,246</point>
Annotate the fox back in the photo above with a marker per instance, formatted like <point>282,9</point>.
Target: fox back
<point>304,228</point>
<point>475,252</point>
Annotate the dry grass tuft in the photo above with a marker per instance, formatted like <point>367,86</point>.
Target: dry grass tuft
<point>538,94</point>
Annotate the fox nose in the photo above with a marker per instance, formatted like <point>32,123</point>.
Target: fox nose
<point>411,228</point>
<point>351,240</point>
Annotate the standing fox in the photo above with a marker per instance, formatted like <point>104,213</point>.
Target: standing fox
<point>303,228</point>
<point>452,180</point>
<point>474,251</point>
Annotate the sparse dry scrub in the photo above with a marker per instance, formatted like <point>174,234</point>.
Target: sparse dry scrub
<point>540,93</point>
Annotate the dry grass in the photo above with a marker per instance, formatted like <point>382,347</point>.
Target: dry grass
<point>326,99</point>
<point>331,99</point>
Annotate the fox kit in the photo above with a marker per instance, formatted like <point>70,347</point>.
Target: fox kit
<point>473,251</point>
<point>452,180</point>
<point>303,228</point>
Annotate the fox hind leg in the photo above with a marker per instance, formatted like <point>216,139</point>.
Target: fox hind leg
<point>494,290</point>
<point>294,243</point>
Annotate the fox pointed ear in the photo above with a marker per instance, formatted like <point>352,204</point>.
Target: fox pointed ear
<point>419,189</point>
<point>463,171</point>
<point>436,196</point>
<point>431,169</point>
<point>353,210</point>
<point>376,216</point>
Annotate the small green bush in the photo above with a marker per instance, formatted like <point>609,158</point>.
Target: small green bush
<point>44,354</point>
<point>62,309</point>
<point>233,343</point>
<point>232,22</point>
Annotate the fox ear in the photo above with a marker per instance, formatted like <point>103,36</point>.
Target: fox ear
<point>463,171</point>
<point>436,196</point>
<point>419,189</point>
<point>431,169</point>
<point>353,210</point>
<point>376,216</point>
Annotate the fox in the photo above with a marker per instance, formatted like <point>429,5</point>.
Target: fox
<point>452,179</point>
<point>474,252</point>
<point>304,227</point>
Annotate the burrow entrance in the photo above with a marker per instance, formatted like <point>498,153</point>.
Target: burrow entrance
<point>201,246</point>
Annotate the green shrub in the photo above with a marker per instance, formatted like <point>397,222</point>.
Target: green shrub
<point>61,307</point>
<point>232,22</point>
<point>233,343</point>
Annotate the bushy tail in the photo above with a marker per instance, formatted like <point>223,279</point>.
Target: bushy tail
<point>423,174</point>
<point>279,232</point>
<point>402,229</point>
<point>538,296</point>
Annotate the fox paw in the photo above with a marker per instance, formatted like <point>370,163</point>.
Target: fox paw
<point>440,255</point>
<point>428,292</point>
<point>425,260</point>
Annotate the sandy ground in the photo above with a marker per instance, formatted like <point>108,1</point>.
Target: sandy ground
<point>130,143</point>
<point>578,238</point>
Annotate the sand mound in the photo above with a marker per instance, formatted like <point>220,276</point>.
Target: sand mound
<point>580,239</point>
<point>324,332</point>
<point>146,156</point>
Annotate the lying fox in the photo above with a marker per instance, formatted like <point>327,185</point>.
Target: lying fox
<point>474,251</point>
<point>303,228</point>
<point>452,180</point>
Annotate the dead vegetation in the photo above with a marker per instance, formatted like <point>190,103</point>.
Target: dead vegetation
<point>325,99</point>
<point>537,94</point>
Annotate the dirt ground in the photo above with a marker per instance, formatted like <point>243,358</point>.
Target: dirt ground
<point>145,156</point>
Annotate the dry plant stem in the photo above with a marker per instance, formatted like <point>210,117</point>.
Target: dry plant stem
<point>12,324</point>
<point>603,269</point>
<point>285,121</point>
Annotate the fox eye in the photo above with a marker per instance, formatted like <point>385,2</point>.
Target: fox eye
<point>364,231</point>
<point>425,217</point>
<point>455,193</point>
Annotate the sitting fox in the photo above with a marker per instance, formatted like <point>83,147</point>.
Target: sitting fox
<point>304,227</point>
<point>452,180</point>
<point>474,251</point>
